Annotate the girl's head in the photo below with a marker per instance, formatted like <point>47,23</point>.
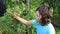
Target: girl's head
<point>43,14</point>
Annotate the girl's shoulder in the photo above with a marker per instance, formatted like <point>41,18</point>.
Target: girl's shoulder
<point>34,22</point>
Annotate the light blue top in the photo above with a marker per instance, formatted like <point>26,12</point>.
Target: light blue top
<point>48,29</point>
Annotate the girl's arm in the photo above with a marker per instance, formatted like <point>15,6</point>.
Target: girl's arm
<point>22,20</point>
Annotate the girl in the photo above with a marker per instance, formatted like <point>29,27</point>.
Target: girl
<point>42,21</point>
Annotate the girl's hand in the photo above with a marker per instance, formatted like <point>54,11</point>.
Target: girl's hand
<point>14,16</point>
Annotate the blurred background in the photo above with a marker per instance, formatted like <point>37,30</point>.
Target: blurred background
<point>26,9</point>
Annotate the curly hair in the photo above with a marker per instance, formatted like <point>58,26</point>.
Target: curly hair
<point>2,9</point>
<point>45,12</point>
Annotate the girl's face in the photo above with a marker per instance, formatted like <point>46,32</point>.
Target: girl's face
<point>38,16</point>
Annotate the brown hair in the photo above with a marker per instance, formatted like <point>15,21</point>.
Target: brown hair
<point>45,12</point>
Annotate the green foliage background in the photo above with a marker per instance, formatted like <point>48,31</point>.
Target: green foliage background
<point>9,25</point>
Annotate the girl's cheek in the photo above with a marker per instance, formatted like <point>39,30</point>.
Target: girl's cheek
<point>37,18</point>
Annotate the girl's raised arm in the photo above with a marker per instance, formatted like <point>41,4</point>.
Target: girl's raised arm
<point>22,20</point>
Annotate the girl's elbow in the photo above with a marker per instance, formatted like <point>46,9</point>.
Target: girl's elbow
<point>27,23</point>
